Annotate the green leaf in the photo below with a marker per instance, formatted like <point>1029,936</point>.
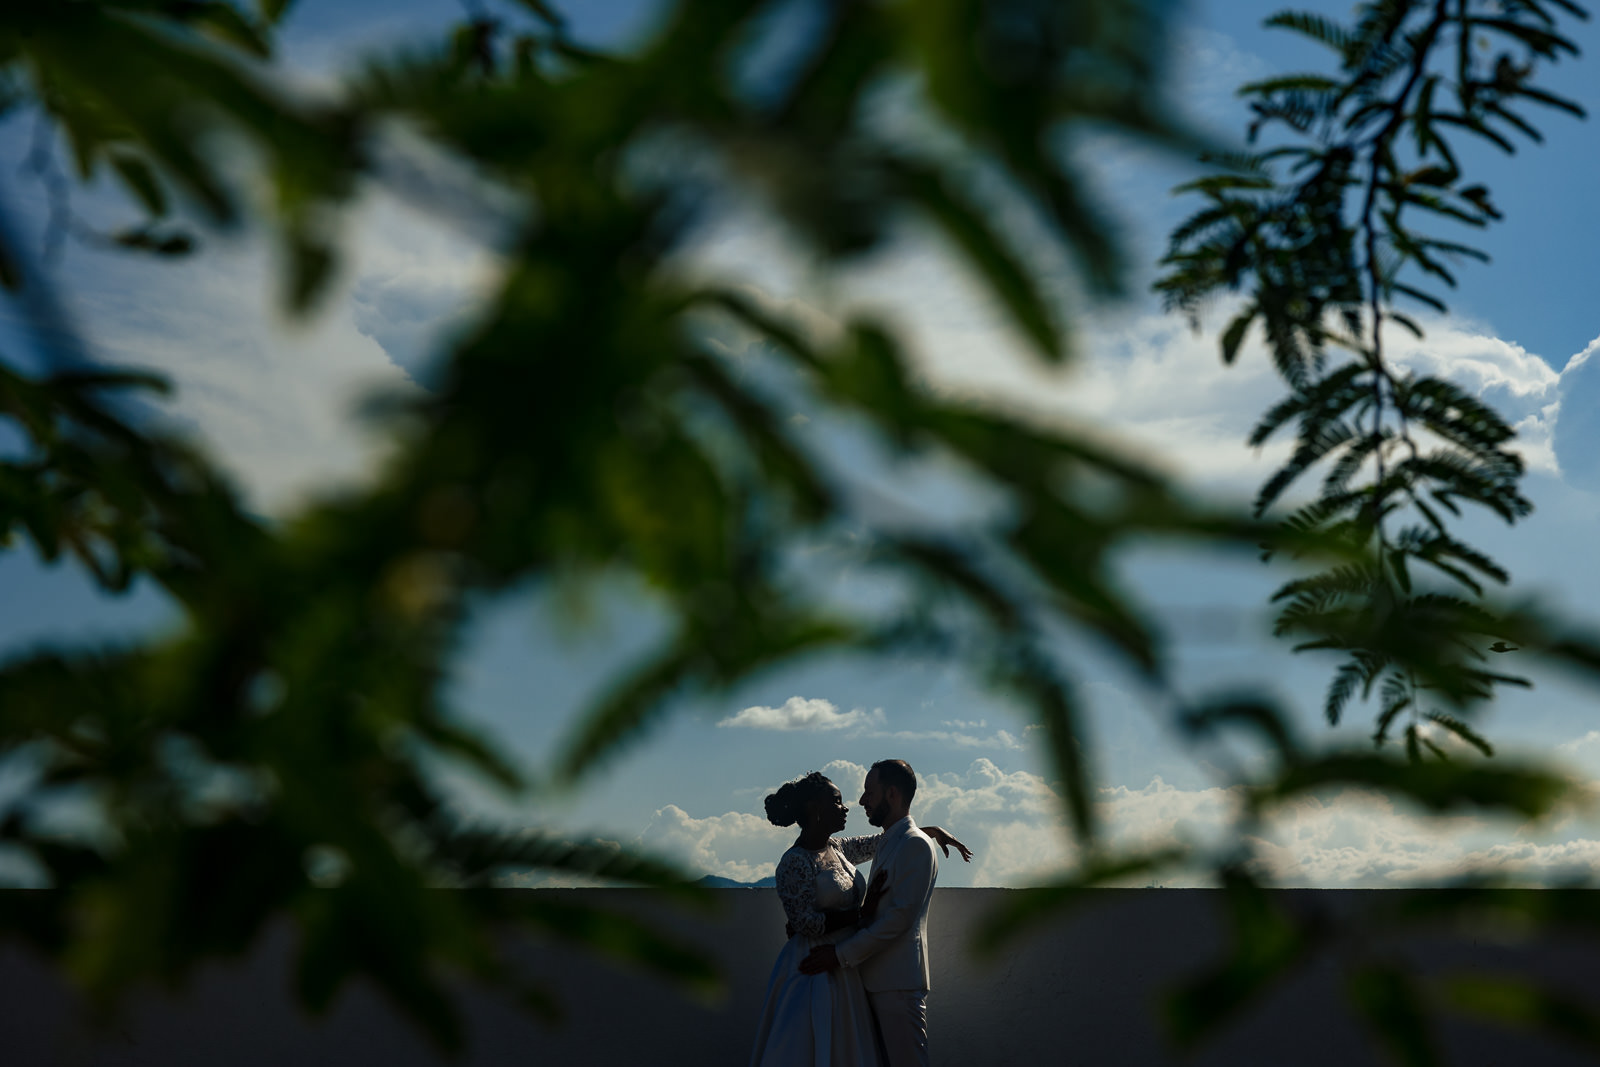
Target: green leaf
<point>1461,730</point>
<point>1389,1000</point>
<point>223,21</point>
<point>1516,1001</point>
<point>10,272</point>
<point>1477,127</point>
<point>1265,945</point>
<point>1541,42</point>
<point>1317,27</point>
<point>141,181</point>
<point>546,13</point>
<point>458,741</point>
<point>1302,83</point>
<point>477,851</point>
<point>272,11</point>
<point>309,269</point>
<point>145,239</point>
<point>1234,335</point>
<point>1026,672</point>
<point>1418,295</point>
<point>964,223</point>
<point>951,565</point>
<point>784,463</point>
<point>1413,745</point>
<point>1525,790</point>
<point>1340,690</point>
<point>696,658</point>
<point>1218,183</point>
<point>1258,716</point>
<point>1551,100</point>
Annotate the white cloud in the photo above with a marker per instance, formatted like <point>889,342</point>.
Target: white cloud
<point>734,845</point>
<point>421,280</point>
<point>1586,741</point>
<point>1000,740</point>
<point>1475,359</point>
<point>1207,69</point>
<point>1576,419</point>
<point>275,401</point>
<point>1014,822</point>
<point>1143,377</point>
<point>802,713</point>
<point>1522,387</point>
<point>1167,392</point>
<point>849,777</point>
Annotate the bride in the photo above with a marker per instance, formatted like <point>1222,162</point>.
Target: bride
<point>810,1020</point>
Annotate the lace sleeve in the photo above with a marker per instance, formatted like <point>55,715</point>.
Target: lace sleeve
<point>797,889</point>
<point>858,850</point>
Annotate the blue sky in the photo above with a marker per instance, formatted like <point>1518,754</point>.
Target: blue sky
<point>272,401</point>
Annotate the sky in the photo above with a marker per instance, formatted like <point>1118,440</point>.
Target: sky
<point>273,402</point>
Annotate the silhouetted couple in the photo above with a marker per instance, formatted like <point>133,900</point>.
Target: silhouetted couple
<point>850,988</point>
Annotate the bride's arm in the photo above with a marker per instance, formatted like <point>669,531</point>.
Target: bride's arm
<point>858,850</point>
<point>797,890</point>
<point>944,840</point>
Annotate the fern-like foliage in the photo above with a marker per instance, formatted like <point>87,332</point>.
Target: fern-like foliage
<point>1327,229</point>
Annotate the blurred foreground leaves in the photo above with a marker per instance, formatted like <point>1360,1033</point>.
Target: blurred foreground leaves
<point>278,753</point>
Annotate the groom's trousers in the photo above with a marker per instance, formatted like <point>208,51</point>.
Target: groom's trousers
<point>902,1018</point>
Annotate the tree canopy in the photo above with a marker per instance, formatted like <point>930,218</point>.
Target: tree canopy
<point>275,756</point>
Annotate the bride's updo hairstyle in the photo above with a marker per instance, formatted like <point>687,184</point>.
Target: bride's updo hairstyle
<point>788,805</point>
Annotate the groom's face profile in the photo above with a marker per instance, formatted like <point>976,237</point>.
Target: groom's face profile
<point>874,800</point>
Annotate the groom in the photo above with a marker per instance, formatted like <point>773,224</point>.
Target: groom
<point>891,948</point>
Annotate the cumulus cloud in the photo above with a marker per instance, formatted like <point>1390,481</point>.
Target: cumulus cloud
<point>1588,740</point>
<point>1145,379</point>
<point>418,285</point>
<point>1521,386</point>
<point>275,400</point>
<point>1014,821</point>
<point>1010,817</point>
<point>1576,417</point>
<point>735,845</point>
<point>1172,399</point>
<point>272,403</point>
<point>999,740</point>
<point>802,713</point>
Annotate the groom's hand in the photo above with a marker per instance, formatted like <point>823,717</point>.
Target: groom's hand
<point>822,958</point>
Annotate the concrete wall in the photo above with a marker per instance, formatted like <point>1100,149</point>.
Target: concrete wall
<point>1084,990</point>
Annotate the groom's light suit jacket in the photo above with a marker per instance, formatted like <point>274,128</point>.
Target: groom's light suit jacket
<point>891,952</point>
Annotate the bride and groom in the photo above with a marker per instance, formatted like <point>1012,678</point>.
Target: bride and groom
<point>850,987</point>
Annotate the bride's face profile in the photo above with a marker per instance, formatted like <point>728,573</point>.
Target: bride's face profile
<point>828,811</point>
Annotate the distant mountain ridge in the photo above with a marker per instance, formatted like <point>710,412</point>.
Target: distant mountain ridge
<point>716,881</point>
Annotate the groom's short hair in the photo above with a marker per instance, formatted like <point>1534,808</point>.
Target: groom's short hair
<point>897,773</point>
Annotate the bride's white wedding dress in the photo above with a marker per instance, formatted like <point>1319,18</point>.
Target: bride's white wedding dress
<point>820,1020</point>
